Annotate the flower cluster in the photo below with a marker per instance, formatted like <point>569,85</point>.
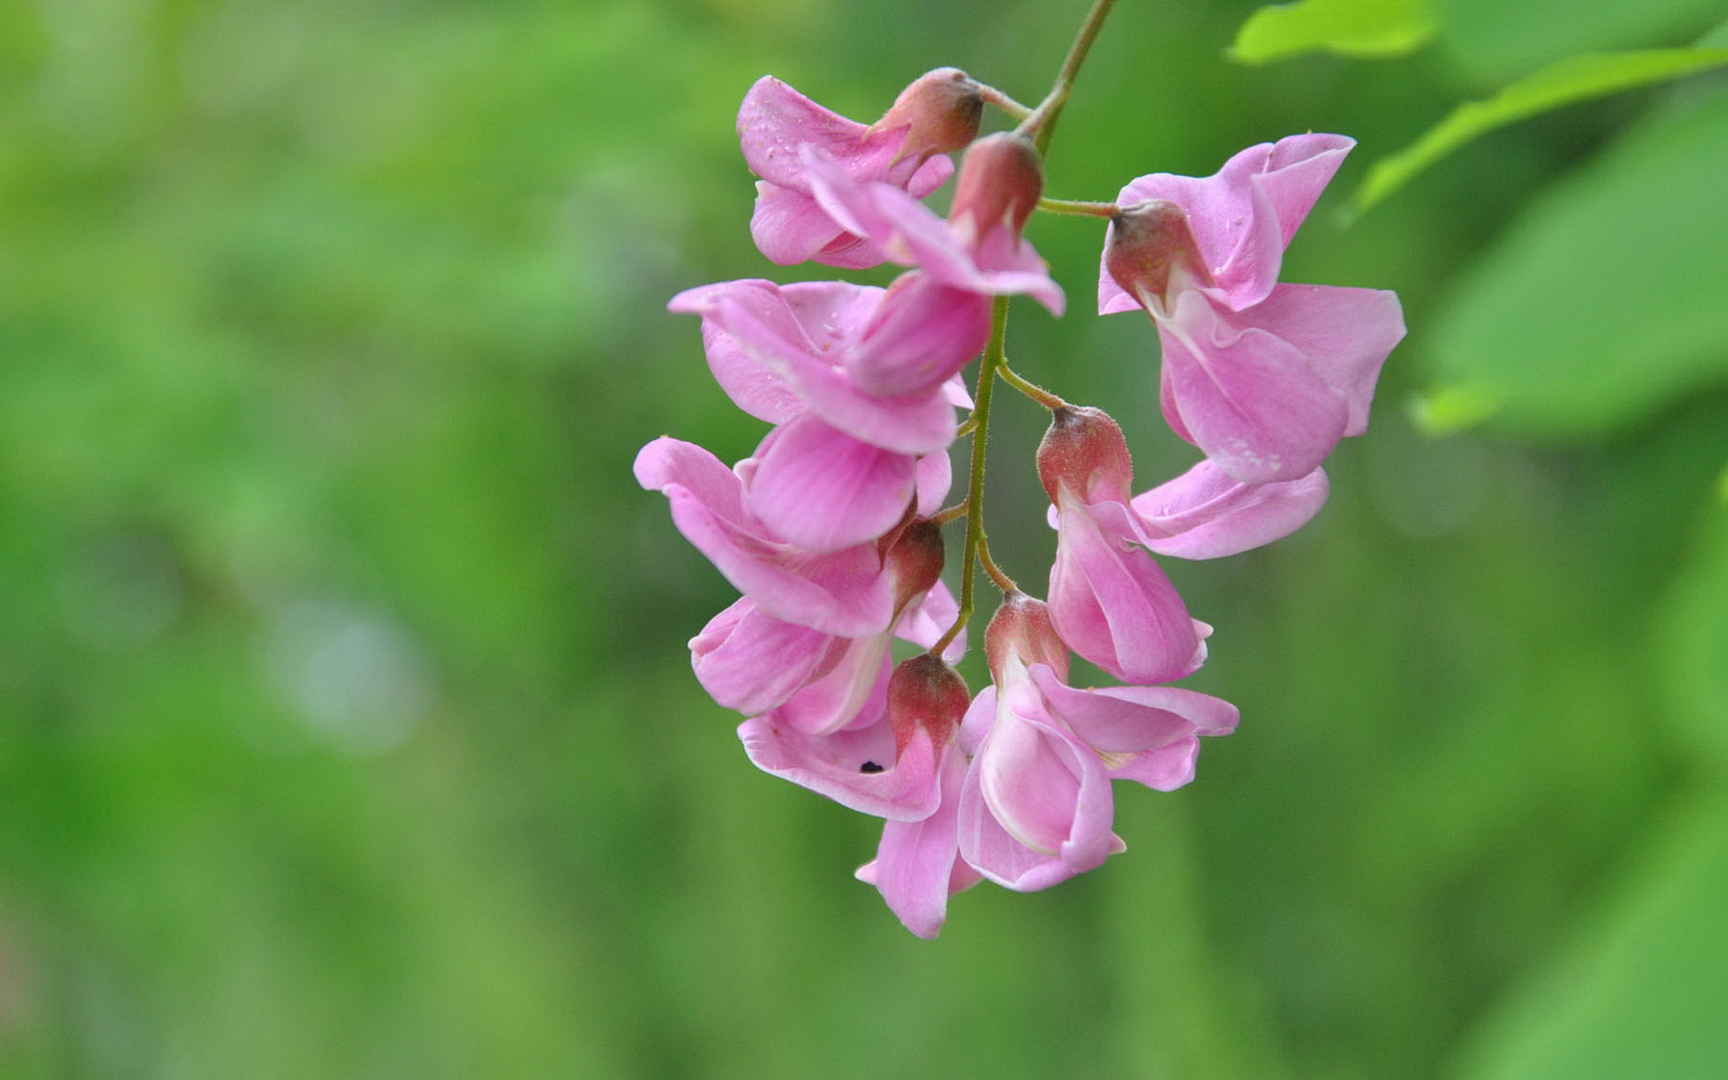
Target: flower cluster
<point>832,529</point>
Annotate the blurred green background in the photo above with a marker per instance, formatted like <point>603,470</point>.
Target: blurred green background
<point>348,726</point>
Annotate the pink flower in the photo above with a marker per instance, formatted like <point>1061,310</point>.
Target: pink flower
<point>844,462</point>
<point>972,252</point>
<point>1036,805</point>
<point>1109,599</point>
<point>941,310</point>
<point>1264,377</point>
<point>917,865</point>
<point>845,592</point>
<point>889,760</point>
<point>936,113</point>
<point>752,662</point>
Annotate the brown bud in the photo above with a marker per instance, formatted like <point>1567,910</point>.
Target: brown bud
<point>1084,449</point>
<point>1022,628</point>
<point>925,693</point>
<point>1148,242</point>
<point>940,109</point>
<point>915,561</point>
<point>1001,178</point>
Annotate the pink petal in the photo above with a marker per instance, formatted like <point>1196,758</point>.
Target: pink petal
<point>753,662</point>
<point>912,424</point>
<point>955,391</point>
<point>926,619</point>
<point>917,865</point>
<point>774,121</point>
<point>789,227</point>
<point>1110,722</point>
<point>979,719</point>
<point>1164,769</point>
<point>832,313</point>
<point>754,381</point>
<point>1027,784</point>
<point>912,235</point>
<point>931,175</point>
<point>844,592</point>
<point>1204,514</point>
<point>836,699</point>
<point>1112,604</point>
<point>823,490</point>
<point>666,462</point>
<point>935,477</point>
<point>1243,216</point>
<point>1011,267</point>
<point>922,335</point>
<point>1345,334</point>
<point>906,789</point>
<point>1127,719</point>
<point>1249,398</point>
<point>850,252</point>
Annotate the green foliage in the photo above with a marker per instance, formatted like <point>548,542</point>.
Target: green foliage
<point>1604,301</point>
<point>1638,991</point>
<point>1361,28</point>
<point>1580,78</point>
<point>1494,42</point>
<point>345,723</point>
<point>1692,641</point>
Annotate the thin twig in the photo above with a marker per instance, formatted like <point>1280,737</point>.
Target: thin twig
<point>993,352</point>
<point>1003,581</point>
<point>1075,208</point>
<point>1029,388</point>
<point>1042,123</point>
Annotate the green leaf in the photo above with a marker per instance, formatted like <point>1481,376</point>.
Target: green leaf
<point>1451,409</point>
<point>1692,645</point>
<point>1348,27</point>
<point>1576,79</point>
<point>1603,301</point>
<point>1640,992</point>
<point>1493,41</point>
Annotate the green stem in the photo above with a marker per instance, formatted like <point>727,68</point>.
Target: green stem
<point>1042,123</point>
<point>1004,102</point>
<point>1080,209</point>
<point>993,353</point>
<point>1002,580</point>
<point>1028,387</point>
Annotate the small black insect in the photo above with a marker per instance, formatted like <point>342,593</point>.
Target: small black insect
<point>870,767</point>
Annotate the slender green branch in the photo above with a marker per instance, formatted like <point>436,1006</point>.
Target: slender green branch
<point>1004,102</point>
<point>1077,209</point>
<point>967,427</point>
<point>1029,388</point>
<point>1042,123</point>
<point>951,513</point>
<point>1003,581</point>
<point>993,353</point>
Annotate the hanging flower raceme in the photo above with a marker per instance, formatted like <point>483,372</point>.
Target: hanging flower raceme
<point>937,113</point>
<point>1264,377</point>
<point>832,529</point>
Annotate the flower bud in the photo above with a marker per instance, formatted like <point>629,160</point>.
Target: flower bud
<point>1084,449</point>
<point>925,693</point>
<point>1149,243</point>
<point>940,109</point>
<point>1022,628</point>
<point>1001,177</point>
<point>915,561</point>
